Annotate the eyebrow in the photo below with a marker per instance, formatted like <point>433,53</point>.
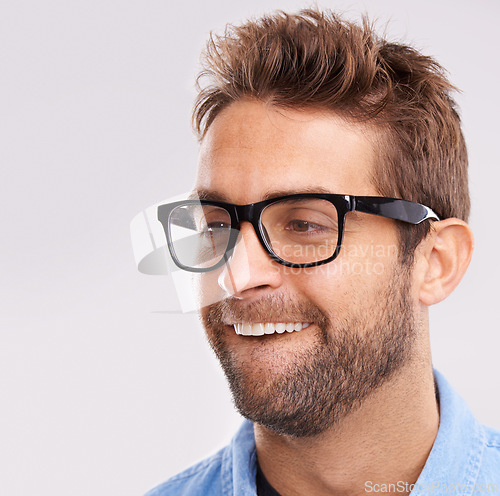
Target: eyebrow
<point>204,194</point>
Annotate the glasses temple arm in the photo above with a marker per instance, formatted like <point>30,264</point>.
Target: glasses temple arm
<point>393,208</point>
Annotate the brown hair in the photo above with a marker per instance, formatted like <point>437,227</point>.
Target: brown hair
<point>317,60</point>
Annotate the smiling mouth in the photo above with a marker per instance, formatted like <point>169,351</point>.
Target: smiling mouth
<point>260,329</point>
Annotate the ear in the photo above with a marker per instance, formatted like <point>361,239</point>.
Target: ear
<point>446,253</point>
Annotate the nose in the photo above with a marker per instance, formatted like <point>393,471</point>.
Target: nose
<point>250,271</point>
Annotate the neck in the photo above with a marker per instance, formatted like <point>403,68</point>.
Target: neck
<point>385,441</point>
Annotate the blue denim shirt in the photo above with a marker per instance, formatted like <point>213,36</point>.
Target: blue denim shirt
<point>464,460</point>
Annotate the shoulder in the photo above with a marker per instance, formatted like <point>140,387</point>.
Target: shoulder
<point>491,455</point>
<point>230,471</point>
<point>492,438</point>
<point>202,478</point>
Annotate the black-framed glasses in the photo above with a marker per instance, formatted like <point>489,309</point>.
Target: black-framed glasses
<point>300,230</point>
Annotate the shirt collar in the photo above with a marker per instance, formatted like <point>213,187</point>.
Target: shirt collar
<point>239,464</point>
<point>456,455</point>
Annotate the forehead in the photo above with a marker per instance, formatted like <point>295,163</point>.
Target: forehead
<point>253,149</point>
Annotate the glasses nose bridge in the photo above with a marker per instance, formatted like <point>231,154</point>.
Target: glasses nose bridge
<point>247,213</point>
<point>251,213</point>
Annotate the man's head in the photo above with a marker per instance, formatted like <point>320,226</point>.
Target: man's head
<point>316,60</point>
<point>311,103</point>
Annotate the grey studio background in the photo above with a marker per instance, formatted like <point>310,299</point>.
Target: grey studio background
<point>105,388</point>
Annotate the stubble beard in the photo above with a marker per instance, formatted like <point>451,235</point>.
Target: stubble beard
<point>322,384</point>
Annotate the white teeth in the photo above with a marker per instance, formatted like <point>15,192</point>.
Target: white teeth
<point>260,329</point>
<point>269,328</point>
<point>246,329</point>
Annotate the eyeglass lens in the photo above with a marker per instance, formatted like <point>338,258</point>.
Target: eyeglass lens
<point>199,234</point>
<point>301,230</point>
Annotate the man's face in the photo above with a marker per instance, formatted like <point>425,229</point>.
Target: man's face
<point>358,310</point>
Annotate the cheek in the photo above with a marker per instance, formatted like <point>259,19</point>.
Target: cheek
<point>351,281</point>
<point>370,263</point>
<point>323,286</point>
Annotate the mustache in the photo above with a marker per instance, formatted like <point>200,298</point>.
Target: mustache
<point>269,308</point>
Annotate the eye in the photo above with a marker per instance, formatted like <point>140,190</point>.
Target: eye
<point>212,226</point>
<point>215,229</point>
<point>212,220</point>
<point>298,225</point>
